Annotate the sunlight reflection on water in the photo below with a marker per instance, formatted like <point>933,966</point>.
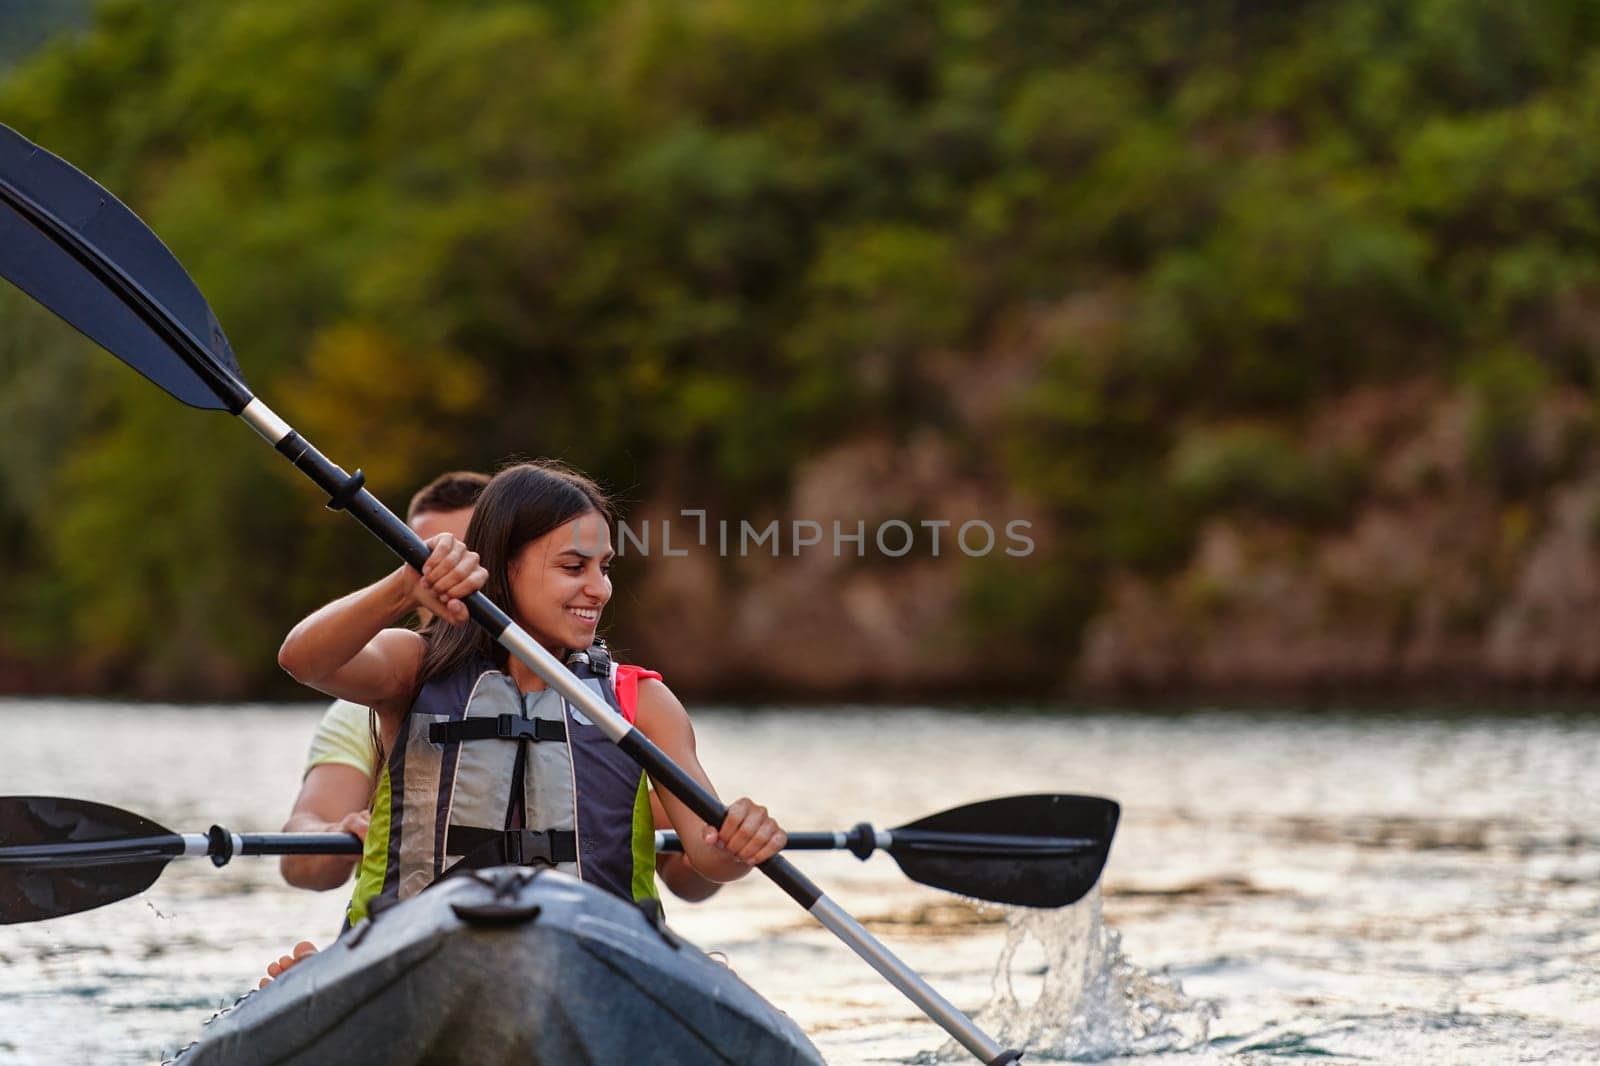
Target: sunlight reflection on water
<point>1400,889</point>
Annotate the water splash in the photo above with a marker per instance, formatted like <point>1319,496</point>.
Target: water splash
<point>1093,1004</point>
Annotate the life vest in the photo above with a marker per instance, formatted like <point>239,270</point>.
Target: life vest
<point>483,774</point>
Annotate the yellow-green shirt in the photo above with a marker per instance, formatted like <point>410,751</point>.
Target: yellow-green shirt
<point>374,856</point>
<point>343,738</point>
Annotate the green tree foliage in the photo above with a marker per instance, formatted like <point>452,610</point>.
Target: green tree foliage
<point>719,235</point>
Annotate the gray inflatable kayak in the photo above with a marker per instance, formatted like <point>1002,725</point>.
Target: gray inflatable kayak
<point>505,966</point>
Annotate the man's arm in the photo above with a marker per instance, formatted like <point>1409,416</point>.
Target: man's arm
<point>333,799</point>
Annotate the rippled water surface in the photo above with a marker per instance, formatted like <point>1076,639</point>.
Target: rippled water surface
<point>1339,888</point>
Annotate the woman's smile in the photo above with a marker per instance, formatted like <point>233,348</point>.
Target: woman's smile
<point>588,615</point>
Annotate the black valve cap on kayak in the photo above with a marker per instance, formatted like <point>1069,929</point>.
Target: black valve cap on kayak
<point>507,904</point>
<point>496,912</point>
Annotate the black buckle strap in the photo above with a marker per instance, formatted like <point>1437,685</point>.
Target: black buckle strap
<point>524,847</point>
<point>517,847</point>
<point>597,655</point>
<point>500,727</point>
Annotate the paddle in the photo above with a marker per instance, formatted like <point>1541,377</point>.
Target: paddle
<point>1033,851</point>
<point>72,246</point>
<point>60,856</point>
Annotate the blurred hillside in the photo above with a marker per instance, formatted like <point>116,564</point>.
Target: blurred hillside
<point>27,24</point>
<point>1278,322</point>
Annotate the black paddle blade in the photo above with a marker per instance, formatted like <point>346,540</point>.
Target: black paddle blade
<point>72,246</point>
<point>1032,851</point>
<point>35,885</point>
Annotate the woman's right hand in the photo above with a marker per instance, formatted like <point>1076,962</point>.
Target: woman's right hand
<point>450,575</point>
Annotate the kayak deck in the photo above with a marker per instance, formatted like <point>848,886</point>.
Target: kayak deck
<point>502,966</point>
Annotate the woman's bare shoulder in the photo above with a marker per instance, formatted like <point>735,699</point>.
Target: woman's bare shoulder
<point>659,710</point>
<point>400,652</point>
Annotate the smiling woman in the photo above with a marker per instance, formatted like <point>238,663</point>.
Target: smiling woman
<point>546,552</point>
<point>489,764</point>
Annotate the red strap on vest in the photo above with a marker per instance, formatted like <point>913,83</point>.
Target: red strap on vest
<point>628,678</point>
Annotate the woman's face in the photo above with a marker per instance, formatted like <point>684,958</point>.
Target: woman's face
<point>561,582</point>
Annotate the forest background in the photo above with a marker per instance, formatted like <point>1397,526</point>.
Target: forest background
<point>1278,323</point>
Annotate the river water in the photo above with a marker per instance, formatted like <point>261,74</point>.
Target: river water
<point>1411,889</point>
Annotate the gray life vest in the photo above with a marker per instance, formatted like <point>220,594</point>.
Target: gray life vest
<point>483,774</point>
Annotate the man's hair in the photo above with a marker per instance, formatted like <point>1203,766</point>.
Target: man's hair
<point>455,491</point>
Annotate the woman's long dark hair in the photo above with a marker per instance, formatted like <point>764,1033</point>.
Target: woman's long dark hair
<point>521,504</point>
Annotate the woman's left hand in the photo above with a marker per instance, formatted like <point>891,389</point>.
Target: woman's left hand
<point>748,834</point>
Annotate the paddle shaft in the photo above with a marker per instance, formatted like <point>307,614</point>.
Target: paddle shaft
<point>219,845</point>
<point>667,840</point>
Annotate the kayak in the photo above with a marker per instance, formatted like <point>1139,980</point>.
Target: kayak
<point>509,965</point>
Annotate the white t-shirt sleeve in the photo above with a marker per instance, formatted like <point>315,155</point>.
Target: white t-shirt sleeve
<point>343,739</point>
